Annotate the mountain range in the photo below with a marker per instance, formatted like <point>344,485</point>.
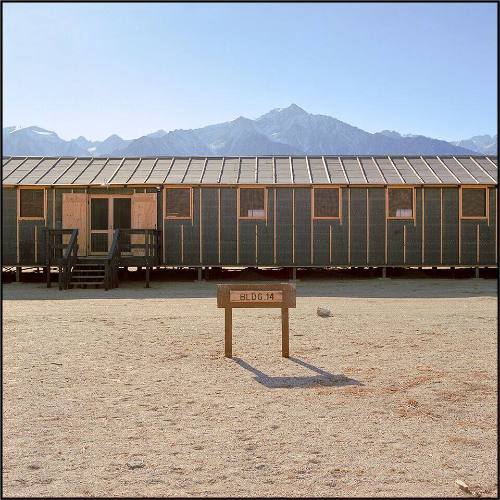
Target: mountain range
<point>485,144</point>
<point>281,131</point>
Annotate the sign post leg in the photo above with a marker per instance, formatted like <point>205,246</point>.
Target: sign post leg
<point>228,336</point>
<point>285,334</point>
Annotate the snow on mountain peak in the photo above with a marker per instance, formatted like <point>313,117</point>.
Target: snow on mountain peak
<point>36,130</point>
<point>44,132</point>
<point>293,109</point>
<point>16,128</point>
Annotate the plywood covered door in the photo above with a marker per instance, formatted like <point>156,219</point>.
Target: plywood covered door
<point>74,216</point>
<point>144,216</point>
<point>144,211</point>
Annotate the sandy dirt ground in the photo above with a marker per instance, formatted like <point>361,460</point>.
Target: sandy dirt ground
<point>127,392</point>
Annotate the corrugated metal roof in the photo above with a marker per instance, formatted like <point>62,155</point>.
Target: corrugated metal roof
<point>303,170</point>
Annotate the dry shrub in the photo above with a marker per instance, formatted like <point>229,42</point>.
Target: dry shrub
<point>430,369</point>
<point>482,375</point>
<point>464,441</point>
<point>356,390</point>
<point>410,384</point>
<point>413,408</point>
<point>451,396</point>
<point>340,471</point>
<point>477,387</point>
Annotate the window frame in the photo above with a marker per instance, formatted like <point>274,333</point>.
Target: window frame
<point>177,217</point>
<point>44,217</point>
<point>314,216</point>
<point>413,208</point>
<point>486,208</point>
<point>254,217</point>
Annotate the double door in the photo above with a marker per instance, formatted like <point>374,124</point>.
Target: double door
<point>108,213</point>
<point>96,216</point>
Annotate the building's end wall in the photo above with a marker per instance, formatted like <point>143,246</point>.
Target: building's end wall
<point>9,226</point>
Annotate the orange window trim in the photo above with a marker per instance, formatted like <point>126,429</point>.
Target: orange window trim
<point>19,203</point>
<point>409,217</point>
<point>315,217</point>
<point>259,217</point>
<point>176,217</point>
<point>487,203</point>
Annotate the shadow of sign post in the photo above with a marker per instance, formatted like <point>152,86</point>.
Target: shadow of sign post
<point>281,296</point>
<point>321,377</point>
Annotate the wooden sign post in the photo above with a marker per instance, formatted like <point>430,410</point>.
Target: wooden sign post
<point>280,295</point>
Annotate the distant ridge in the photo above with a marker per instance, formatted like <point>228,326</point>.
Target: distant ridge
<point>281,131</point>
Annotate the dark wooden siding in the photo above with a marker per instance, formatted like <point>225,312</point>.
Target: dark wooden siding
<point>29,252</point>
<point>478,237</point>
<point>321,245</point>
<point>210,226</point>
<point>182,246</point>
<point>50,207</point>
<point>432,226</point>
<point>358,226</point>
<point>302,226</point>
<point>247,242</point>
<point>487,243</point>
<point>395,248</point>
<point>9,226</point>
<point>413,250</point>
<point>265,234</point>
<point>376,226</point>
<point>229,222</point>
<point>286,241</point>
<point>340,253</point>
<point>450,226</point>
<point>284,231</point>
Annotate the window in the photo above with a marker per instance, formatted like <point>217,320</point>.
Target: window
<point>178,203</point>
<point>252,203</point>
<point>474,203</point>
<point>32,203</point>
<point>400,201</point>
<point>326,203</point>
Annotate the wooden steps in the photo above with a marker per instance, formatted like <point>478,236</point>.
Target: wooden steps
<point>88,272</point>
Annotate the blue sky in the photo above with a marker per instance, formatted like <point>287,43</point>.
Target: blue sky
<point>94,70</point>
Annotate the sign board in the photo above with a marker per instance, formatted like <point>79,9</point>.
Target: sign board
<point>277,295</point>
<point>280,296</point>
<point>255,296</point>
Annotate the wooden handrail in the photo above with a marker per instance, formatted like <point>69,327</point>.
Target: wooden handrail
<point>72,244</point>
<point>60,254</point>
<point>151,247</point>
<point>68,260</point>
<point>112,262</point>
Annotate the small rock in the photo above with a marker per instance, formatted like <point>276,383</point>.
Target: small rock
<point>135,464</point>
<point>154,480</point>
<point>324,312</point>
<point>34,466</point>
<point>465,487</point>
